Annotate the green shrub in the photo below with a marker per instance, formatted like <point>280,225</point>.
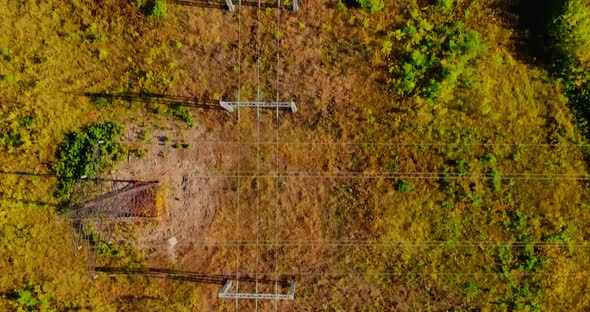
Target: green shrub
<point>372,5</point>
<point>27,299</point>
<point>159,8</point>
<point>404,186</point>
<point>75,154</point>
<point>101,102</point>
<point>138,152</point>
<point>32,298</point>
<point>432,50</point>
<point>182,113</point>
<point>158,109</point>
<point>496,180</point>
<point>144,135</point>
<point>19,131</point>
<point>9,77</point>
<point>182,145</point>
<point>524,293</point>
<point>10,139</point>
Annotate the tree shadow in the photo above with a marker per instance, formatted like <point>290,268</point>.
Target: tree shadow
<point>186,276</point>
<point>541,47</point>
<point>155,98</point>
<point>53,175</point>
<point>536,18</point>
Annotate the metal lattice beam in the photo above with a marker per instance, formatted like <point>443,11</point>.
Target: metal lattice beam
<point>231,106</point>
<point>224,293</point>
<point>135,200</point>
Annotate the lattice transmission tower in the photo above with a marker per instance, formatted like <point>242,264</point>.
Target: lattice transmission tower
<point>98,203</point>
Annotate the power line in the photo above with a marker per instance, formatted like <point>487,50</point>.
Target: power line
<point>277,148</point>
<point>395,175</point>
<point>415,144</point>
<point>258,98</point>
<point>356,273</point>
<point>385,243</point>
<point>239,138</point>
<point>390,175</point>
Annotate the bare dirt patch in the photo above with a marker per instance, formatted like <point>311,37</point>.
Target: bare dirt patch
<point>180,165</point>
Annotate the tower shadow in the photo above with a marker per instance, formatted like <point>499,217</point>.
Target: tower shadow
<point>156,98</point>
<point>194,277</point>
<point>24,173</point>
<point>30,202</point>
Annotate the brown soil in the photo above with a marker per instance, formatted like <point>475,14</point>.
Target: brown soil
<point>190,204</point>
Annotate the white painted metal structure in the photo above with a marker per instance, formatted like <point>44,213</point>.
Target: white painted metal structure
<point>231,106</point>
<point>230,5</point>
<point>224,293</point>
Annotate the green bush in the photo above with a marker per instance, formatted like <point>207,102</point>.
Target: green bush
<point>101,102</point>
<point>19,130</point>
<point>524,293</point>
<point>27,299</point>
<point>404,186</point>
<point>10,139</point>
<point>372,5</point>
<point>154,8</point>
<point>496,180</point>
<point>182,113</point>
<point>32,298</point>
<point>159,8</point>
<point>430,53</point>
<point>75,154</point>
